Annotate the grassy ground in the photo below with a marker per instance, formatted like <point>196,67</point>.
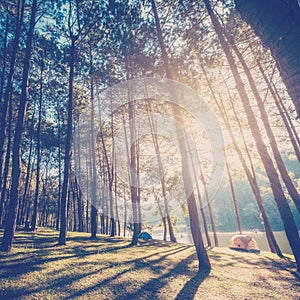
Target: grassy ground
<point>107,269</point>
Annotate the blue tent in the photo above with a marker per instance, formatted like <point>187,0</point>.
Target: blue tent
<point>145,236</point>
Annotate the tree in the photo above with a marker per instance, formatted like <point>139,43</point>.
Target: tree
<point>277,23</point>
<point>203,259</point>
<point>13,200</point>
<point>9,82</point>
<point>161,174</point>
<point>234,199</point>
<point>279,197</point>
<point>264,116</point>
<point>79,23</point>
<point>38,146</point>
<point>250,172</point>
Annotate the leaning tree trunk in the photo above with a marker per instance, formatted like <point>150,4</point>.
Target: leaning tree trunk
<point>265,119</point>
<point>9,81</point>
<point>204,263</point>
<point>278,102</point>
<point>196,179</point>
<point>236,210</point>
<point>10,224</point>
<point>251,177</point>
<point>279,197</point>
<point>277,24</point>
<point>161,174</point>
<point>212,222</point>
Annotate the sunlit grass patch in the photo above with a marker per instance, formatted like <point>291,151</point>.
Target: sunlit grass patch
<point>107,268</point>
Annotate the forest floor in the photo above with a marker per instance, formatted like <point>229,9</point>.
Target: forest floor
<point>107,268</point>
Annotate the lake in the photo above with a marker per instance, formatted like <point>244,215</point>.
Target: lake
<point>224,238</point>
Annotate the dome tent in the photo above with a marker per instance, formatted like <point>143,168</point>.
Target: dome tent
<point>145,236</point>
<point>244,243</point>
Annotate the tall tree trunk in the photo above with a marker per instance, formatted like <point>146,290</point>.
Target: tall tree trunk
<point>94,210</point>
<point>4,58</point>
<point>277,24</point>
<point>9,83</point>
<point>250,176</point>
<point>273,245</point>
<point>88,171</point>
<point>292,134</point>
<point>77,178</point>
<point>234,199</point>
<point>204,263</point>
<point>7,162</point>
<point>67,160</point>
<point>133,175</point>
<point>200,200</point>
<point>265,119</point>
<point>73,190</point>
<point>80,206</point>
<point>59,170</point>
<point>13,200</point>
<point>213,226</point>
<point>161,174</point>
<point>118,225</point>
<point>295,132</point>
<point>38,151</point>
<point>162,215</point>
<point>21,211</point>
<point>279,197</point>
<point>125,214</point>
<point>110,173</point>
<point>128,168</point>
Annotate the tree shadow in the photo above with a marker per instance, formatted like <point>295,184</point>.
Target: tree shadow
<point>191,287</point>
<point>152,288</point>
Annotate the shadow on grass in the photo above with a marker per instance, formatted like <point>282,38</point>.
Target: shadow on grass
<point>41,248</point>
<point>259,260</point>
<point>136,265</point>
<point>153,287</point>
<point>118,281</point>
<point>190,288</point>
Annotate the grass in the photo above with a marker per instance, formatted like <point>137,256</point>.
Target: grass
<point>107,268</point>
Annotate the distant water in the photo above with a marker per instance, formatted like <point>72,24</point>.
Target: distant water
<point>225,237</point>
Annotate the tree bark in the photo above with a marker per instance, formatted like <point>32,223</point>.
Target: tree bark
<point>277,24</point>
<point>94,210</point>
<point>67,160</point>
<point>133,176</point>
<point>13,200</point>
<point>234,199</point>
<point>288,125</point>
<point>250,176</point>
<point>9,83</point>
<point>57,223</point>
<point>161,174</point>
<point>279,197</point>
<point>265,119</point>
<point>200,201</point>
<point>4,58</point>
<point>7,163</point>
<point>38,151</point>
<point>204,263</point>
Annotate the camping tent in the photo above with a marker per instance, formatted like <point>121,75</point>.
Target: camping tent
<point>244,243</point>
<point>145,236</point>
